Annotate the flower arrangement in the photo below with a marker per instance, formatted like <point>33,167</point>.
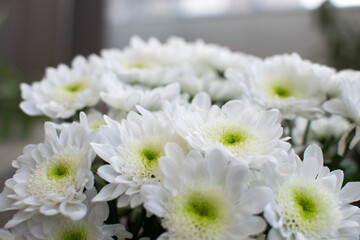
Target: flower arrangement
<point>197,142</point>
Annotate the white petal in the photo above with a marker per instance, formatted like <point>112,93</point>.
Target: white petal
<point>256,198</point>
<point>75,211</point>
<point>313,162</point>
<point>109,192</point>
<point>350,192</point>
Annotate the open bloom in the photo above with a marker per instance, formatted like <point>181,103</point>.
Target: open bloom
<point>202,67</point>
<point>125,97</point>
<point>142,62</point>
<point>248,133</point>
<point>205,197</point>
<point>132,150</point>
<point>63,90</point>
<point>347,105</point>
<point>310,203</point>
<point>51,176</point>
<point>288,83</point>
<point>58,227</point>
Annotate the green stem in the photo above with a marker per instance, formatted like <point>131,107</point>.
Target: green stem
<point>306,133</point>
<point>288,124</point>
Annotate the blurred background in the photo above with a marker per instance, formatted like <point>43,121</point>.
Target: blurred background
<point>35,34</point>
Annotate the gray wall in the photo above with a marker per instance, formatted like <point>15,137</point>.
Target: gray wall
<point>261,34</point>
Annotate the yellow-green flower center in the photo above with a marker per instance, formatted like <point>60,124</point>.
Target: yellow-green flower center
<point>282,91</point>
<point>74,87</point>
<point>137,66</point>
<point>150,158</point>
<point>201,209</point>
<point>239,138</point>
<point>306,205</point>
<point>233,137</point>
<point>69,230</point>
<point>59,170</point>
<point>74,234</point>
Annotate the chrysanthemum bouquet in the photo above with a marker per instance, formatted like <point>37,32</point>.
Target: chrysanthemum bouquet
<point>189,141</point>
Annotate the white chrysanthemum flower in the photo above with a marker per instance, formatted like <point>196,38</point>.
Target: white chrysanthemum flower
<point>125,97</point>
<point>58,227</point>
<point>52,176</point>
<point>326,129</point>
<point>202,68</point>
<point>132,149</point>
<point>310,204</point>
<point>248,133</point>
<point>8,235</point>
<point>64,90</point>
<point>288,83</point>
<point>205,198</point>
<point>142,62</point>
<point>348,105</point>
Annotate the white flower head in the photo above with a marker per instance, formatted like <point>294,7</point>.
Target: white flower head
<point>288,83</point>
<point>142,62</point>
<point>321,130</point>
<point>132,150</point>
<point>51,176</point>
<point>347,105</point>
<point>310,203</point>
<point>205,197</point>
<point>64,90</point>
<point>58,227</point>
<point>247,132</point>
<point>202,67</point>
<point>125,97</point>
<point>9,235</point>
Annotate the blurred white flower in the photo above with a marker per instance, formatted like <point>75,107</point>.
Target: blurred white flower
<point>125,97</point>
<point>348,106</point>
<point>286,82</point>
<point>205,198</point>
<point>64,90</point>
<point>310,203</point>
<point>247,132</point>
<point>9,235</point>
<point>132,149</point>
<point>321,130</point>
<point>58,227</point>
<point>51,176</point>
<point>142,62</point>
<point>202,67</point>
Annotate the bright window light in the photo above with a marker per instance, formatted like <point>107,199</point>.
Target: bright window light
<point>311,4</point>
<point>201,7</point>
<point>346,3</point>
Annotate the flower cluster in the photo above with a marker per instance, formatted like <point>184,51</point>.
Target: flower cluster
<point>189,141</point>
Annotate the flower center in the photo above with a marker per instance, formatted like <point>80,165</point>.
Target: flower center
<point>305,205</point>
<point>59,170</point>
<point>236,137</point>
<point>68,230</point>
<point>282,91</point>
<point>231,138</point>
<point>137,65</point>
<point>202,210</point>
<point>309,208</point>
<point>67,94</point>
<point>199,212</point>
<point>74,87</point>
<point>75,234</point>
<point>149,158</point>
